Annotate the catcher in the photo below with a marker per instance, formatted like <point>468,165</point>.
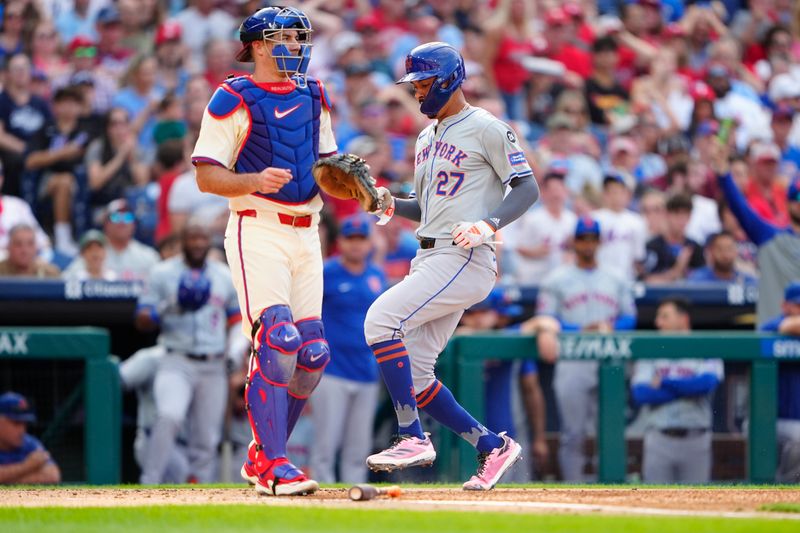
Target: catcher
<point>194,303</point>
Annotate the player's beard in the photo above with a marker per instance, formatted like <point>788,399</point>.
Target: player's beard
<point>794,213</point>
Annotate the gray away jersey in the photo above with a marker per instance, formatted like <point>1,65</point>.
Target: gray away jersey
<point>203,331</point>
<point>462,167</point>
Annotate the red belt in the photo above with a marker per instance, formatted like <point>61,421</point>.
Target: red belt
<point>300,221</point>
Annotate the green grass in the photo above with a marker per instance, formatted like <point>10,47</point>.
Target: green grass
<point>255,518</point>
<point>743,486</point>
<point>781,507</point>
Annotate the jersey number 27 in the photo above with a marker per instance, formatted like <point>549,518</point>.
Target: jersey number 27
<point>444,180</point>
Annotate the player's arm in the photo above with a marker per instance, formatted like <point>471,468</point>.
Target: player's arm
<point>152,302</point>
<point>535,409</point>
<point>790,326</point>
<point>28,469</point>
<point>49,474</point>
<point>408,208</point>
<point>646,387</point>
<point>691,386</point>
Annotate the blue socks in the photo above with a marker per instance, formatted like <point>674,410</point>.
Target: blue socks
<point>395,368</point>
<point>438,401</point>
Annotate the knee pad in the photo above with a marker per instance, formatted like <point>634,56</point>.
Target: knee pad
<point>312,358</point>
<point>275,344</point>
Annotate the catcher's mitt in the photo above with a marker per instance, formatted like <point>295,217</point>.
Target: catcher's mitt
<point>346,176</point>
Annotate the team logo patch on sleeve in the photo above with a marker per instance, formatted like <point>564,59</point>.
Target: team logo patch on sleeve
<point>517,158</point>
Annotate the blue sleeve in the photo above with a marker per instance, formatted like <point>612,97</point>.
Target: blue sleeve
<point>568,326</point>
<point>625,322</point>
<point>645,394</point>
<point>758,230</point>
<point>694,386</point>
<point>528,367</point>
<point>772,324</point>
<point>151,310</point>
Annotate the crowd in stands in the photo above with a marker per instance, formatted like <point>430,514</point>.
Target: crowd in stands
<point>672,124</point>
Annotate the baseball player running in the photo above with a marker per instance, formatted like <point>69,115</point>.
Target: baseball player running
<point>260,135</point>
<point>193,301</point>
<point>464,162</point>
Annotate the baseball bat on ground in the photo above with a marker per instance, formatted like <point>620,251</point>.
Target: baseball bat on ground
<point>364,492</point>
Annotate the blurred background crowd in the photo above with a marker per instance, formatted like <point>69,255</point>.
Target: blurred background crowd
<point>673,124</point>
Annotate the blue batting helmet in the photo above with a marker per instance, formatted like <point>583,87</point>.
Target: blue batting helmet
<point>440,61</point>
<point>267,24</point>
<point>194,289</point>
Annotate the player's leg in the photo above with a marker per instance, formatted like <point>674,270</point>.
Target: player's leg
<point>357,442</point>
<point>259,250</point>
<point>172,390</point>
<point>788,436</point>
<point>329,406</point>
<point>572,385</point>
<point>206,417</point>
<point>694,462</point>
<point>306,303</point>
<point>496,453</point>
<point>433,289</point>
<point>657,460</point>
<point>177,470</point>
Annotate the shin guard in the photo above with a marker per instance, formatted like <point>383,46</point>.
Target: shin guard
<point>314,354</point>
<point>275,344</point>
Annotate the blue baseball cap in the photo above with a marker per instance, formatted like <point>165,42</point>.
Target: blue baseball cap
<point>587,226</point>
<point>16,407</point>
<point>108,15</point>
<point>792,293</point>
<point>355,225</point>
<point>793,192</point>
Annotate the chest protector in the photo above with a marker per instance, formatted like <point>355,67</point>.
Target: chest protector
<point>284,133</point>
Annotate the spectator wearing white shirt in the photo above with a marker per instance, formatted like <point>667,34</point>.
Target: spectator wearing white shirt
<point>13,212</point>
<point>201,23</point>
<point>623,232</point>
<point>544,233</point>
<point>186,200</point>
<point>93,252</point>
<point>129,259</point>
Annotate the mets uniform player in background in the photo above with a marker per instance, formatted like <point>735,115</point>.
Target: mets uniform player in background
<point>260,135</point>
<point>678,394</point>
<point>582,297</point>
<point>343,406</point>
<point>193,301</point>
<point>464,162</point>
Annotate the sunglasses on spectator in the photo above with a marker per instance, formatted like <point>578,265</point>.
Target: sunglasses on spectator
<point>125,217</point>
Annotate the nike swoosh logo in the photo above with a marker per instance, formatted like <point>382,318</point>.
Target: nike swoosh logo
<point>289,338</point>
<point>282,114</point>
<point>315,357</point>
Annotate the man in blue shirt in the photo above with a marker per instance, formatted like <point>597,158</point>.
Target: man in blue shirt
<point>788,429</point>
<point>721,252</point>
<point>344,404</point>
<point>23,459</point>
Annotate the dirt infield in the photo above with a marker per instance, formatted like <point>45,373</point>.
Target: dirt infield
<point>729,502</point>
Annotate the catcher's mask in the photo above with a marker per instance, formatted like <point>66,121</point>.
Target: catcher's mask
<point>269,24</point>
<point>435,60</point>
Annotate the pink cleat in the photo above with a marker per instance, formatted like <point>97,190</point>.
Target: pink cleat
<point>492,465</point>
<point>405,451</point>
<point>248,471</point>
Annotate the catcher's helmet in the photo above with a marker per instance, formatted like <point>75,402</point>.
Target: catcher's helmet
<point>266,24</point>
<point>194,289</point>
<point>435,60</point>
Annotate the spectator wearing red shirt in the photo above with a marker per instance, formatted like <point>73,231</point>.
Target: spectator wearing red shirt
<point>171,164</point>
<point>561,37</point>
<point>763,192</point>
<point>509,37</point>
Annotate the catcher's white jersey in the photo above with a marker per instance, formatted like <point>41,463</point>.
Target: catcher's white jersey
<point>462,167</point>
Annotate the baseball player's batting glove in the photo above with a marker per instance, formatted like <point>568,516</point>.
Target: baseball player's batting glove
<point>346,176</point>
<point>385,209</point>
<point>471,234</point>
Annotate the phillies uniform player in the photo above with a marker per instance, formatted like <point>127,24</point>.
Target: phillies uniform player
<point>464,162</point>
<point>260,135</point>
<point>582,297</point>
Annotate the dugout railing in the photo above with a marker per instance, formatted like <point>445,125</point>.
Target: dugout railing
<point>464,358</point>
<point>100,388</point>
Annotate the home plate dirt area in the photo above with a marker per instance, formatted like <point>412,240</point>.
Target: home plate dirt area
<point>719,502</point>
